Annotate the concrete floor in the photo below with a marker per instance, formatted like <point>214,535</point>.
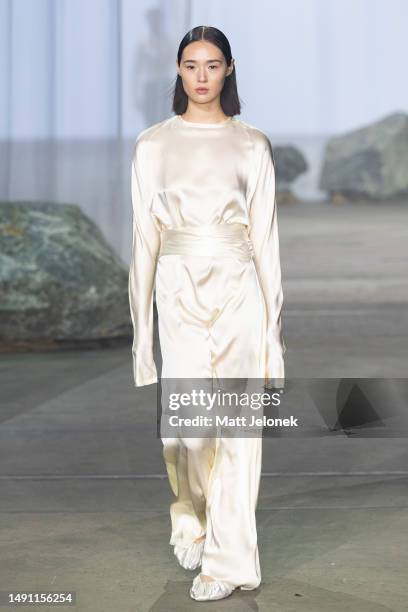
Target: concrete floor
<point>84,494</point>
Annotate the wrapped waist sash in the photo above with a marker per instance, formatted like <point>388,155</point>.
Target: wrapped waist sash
<point>223,240</point>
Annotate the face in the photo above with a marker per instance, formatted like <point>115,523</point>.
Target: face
<point>203,66</point>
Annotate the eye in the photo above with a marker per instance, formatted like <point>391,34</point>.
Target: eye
<point>213,66</point>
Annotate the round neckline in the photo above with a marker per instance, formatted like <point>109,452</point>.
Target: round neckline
<point>205,125</point>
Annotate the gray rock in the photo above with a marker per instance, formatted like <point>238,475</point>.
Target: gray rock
<point>289,164</point>
<point>370,162</point>
<point>59,278</point>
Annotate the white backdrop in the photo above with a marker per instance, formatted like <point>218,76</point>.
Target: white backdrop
<point>73,68</point>
<point>80,78</point>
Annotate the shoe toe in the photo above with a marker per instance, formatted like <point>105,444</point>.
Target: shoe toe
<point>209,590</point>
<point>190,560</point>
<point>190,557</point>
<point>180,552</point>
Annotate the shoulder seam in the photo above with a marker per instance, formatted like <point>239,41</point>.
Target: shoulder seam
<point>152,129</point>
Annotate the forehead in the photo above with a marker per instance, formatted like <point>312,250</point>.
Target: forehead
<point>202,50</point>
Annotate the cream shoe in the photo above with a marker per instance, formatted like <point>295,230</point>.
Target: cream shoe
<point>209,590</point>
<point>189,557</point>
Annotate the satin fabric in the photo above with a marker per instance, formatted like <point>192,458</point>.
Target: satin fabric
<point>212,315</point>
<point>226,239</point>
<point>205,236</point>
<point>194,174</point>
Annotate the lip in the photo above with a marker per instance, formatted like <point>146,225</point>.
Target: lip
<point>201,90</point>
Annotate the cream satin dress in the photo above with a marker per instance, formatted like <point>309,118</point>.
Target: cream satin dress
<point>205,237</point>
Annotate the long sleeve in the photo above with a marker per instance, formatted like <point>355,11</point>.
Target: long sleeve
<point>145,247</point>
<point>263,232</point>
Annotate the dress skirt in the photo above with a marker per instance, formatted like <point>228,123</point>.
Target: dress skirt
<point>212,325</point>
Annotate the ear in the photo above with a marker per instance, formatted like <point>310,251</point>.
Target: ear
<point>231,66</point>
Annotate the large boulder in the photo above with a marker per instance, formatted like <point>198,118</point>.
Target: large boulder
<point>60,280</point>
<point>289,164</point>
<point>368,163</point>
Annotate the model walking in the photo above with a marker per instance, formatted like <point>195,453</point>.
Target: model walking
<point>205,235</point>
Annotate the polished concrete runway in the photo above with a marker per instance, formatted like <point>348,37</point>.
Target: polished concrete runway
<point>84,495</point>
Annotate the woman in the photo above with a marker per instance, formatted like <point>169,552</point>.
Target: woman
<point>205,234</point>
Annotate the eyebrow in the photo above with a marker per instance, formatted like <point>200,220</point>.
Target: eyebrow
<point>208,61</point>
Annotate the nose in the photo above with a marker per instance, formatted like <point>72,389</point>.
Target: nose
<point>202,76</point>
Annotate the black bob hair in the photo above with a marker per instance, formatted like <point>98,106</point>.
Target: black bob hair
<point>229,95</point>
